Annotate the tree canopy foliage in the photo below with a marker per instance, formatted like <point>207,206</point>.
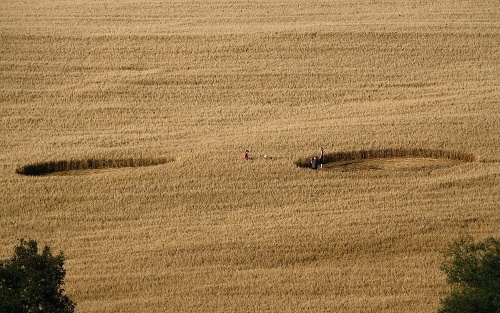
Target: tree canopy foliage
<point>31,282</point>
<point>473,271</point>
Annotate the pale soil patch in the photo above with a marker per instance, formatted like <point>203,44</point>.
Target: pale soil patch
<point>391,164</point>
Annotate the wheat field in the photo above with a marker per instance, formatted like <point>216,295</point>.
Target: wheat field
<point>198,82</point>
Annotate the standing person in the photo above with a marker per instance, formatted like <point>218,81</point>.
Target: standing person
<point>246,155</point>
<point>321,155</point>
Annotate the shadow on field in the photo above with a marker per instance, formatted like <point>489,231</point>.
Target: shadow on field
<point>389,159</point>
<point>65,166</point>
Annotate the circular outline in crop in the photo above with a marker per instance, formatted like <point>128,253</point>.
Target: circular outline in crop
<point>360,159</point>
<point>65,166</point>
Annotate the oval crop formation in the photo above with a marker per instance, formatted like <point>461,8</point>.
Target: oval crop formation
<point>390,159</point>
<point>64,166</point>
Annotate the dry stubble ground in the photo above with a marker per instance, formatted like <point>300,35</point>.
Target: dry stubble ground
<point>202,81</point>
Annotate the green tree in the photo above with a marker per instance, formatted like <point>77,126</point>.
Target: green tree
<point>473,271</point>
<point>31,282</point>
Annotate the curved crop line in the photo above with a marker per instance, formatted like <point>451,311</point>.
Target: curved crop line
<point>389,153</point>
<point>44,168</point>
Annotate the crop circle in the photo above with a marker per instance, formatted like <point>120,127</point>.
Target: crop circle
<point>78,166</point>
<point>389,159</point>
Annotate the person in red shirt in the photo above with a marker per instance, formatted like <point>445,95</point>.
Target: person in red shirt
<point>246,155</point>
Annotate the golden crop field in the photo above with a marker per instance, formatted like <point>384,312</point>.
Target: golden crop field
<point>185,86</point>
